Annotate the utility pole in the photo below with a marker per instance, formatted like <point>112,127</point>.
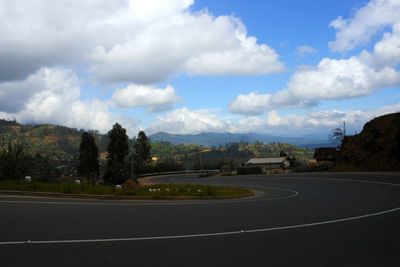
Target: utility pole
<point>132,150</point>
<point>344,129</point>
<point>131,165</point>
<point>201,162</point>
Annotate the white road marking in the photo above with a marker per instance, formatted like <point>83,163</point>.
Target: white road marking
<point>197,235</point>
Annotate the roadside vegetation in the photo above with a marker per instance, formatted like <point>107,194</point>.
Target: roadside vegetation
<point>157,191</point>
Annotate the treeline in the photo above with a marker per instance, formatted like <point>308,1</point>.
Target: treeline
<point>124,161</point>
<point>125,158</point>
<point>16,162</point>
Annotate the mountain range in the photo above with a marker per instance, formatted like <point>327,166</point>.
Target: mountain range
<point>217,139</point>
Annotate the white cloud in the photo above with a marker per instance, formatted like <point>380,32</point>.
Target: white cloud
<point>194,43</point>
<point>250,104</point>
<point>331,79</point>
<point>138,41</point>
<point>14,95</point>
<point>154,99</point>
<point>305,50</point>
<point>335,79</point>
<point>150,10</point>
<point>365,23</point>
<point>185,121</point>
<point>54,98</point>
<point>311,123</point>
<point>386,52</point>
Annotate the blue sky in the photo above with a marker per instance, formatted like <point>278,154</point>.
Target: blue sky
<point>182,66</point>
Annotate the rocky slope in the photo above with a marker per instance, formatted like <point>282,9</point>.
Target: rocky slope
<point>376,148</point>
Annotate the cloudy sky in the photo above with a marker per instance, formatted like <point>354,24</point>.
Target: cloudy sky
<point>183,66</point>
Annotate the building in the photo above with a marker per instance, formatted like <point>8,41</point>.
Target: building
<point>104,155</point>
<point>269,165</point>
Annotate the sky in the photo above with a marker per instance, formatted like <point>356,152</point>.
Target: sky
<point>290,68</point>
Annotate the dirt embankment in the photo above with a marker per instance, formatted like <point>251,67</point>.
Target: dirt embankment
<point>376,148</point>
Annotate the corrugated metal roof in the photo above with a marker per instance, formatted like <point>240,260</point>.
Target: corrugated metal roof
<point>266,160</point>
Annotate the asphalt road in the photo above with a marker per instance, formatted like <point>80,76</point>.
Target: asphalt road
<point>294,220</point>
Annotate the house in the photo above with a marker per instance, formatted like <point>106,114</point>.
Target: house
<point>322,154</point>
<point>269,165</point>
<point>104,155</point>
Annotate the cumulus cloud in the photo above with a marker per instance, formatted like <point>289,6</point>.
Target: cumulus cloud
<point>356,76</point>
<point>150,10</point>
<point>185,121</point>
<point>40,93</point>
<point>311,122</point>
<point>331,79</point>
<point>335,79</point>
<point>365,23</point>
<point>54,98</point>
<point>305,50</point>
<point>138,41</point>
<point>386,52</point>
<point>328,119</point>
<point>194,43</point>
<point>250,104</point>
<point>14,95</point>
<point>154,99</point>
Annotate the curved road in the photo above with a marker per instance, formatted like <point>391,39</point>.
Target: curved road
<point>294,220</point>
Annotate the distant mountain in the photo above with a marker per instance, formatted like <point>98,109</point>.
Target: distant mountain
<point>216,139</point>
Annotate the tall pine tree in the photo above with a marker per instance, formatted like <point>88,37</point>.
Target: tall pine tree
<point>117,149</point>
<point>88,157</point>
<point>142,152</point>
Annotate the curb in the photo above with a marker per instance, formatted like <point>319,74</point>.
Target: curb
<point>111,197</point>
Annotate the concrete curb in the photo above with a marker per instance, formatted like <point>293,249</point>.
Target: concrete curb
<point>111,197</point>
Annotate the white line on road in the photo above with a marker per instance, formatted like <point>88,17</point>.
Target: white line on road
<point>197,235</point>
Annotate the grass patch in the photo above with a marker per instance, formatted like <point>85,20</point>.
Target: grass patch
<point>157,191</point>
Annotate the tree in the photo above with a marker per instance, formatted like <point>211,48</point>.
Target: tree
<point>338,135</point>
<point>117,149</point>
<point>43,169</point>
<point>88,157</point>
<point>15,162</point>
<point>142,152</point>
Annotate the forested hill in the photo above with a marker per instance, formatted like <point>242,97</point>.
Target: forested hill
<point>54,141</point>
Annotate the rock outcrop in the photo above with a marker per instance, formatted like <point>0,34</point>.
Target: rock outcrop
<point>376,148</point>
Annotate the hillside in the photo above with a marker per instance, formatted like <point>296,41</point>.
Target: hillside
<point>54,141</point>
<point>375,148</point>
